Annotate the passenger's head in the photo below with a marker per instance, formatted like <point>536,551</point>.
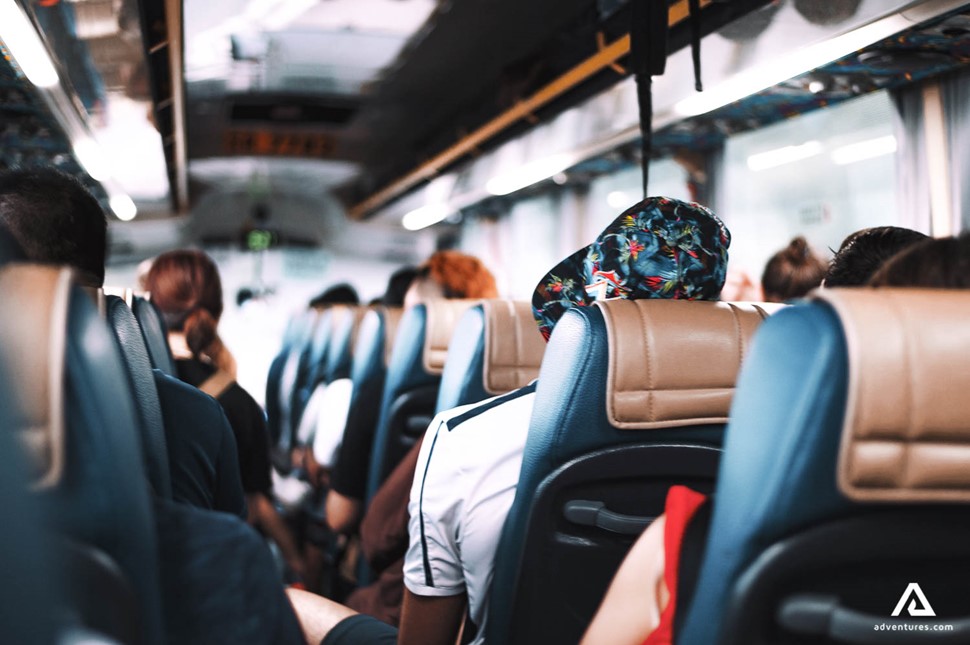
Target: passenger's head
<point>931,264</point>
<point>338,294</point>
<point>55,220</point>
<point>792,272</point>
<point>398,285</point>
<point>659,248</point>
<point>865,251</point>
<point>185,287</point>
<point>451,274</point>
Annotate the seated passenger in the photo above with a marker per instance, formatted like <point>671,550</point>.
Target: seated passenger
<point>186,288</point>
<point>446,274</point>
<point>384,527</point>
<point>863,252</point>
<point>641,603</point>
<point>470,460</point>
<point>792,272</point>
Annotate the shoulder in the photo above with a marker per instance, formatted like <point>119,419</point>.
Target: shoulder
<point>473,437</point>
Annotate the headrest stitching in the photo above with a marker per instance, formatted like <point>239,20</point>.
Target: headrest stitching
<point>649,358</point>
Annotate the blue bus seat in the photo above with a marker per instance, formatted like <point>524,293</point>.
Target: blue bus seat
<point>845,474</point>
<point>74,413</point>
<point>632,398</point>
<point>411,387</point>
<point>127,332</point>
<point>496,348</point>
<point>155,334</point>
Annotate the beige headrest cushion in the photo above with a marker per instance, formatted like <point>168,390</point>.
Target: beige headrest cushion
<point>442,318</point>
<point>906,435</point>
<point>513,345</point>
<point>392,316</point>
<point>674,363</point>
<point>33,339</point>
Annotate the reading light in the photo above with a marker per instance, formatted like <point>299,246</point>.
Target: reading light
<point>123,207</point>
<point>528,174</point>
<point>864,150</point>
<point>92,158</point>
<point>781,156</point>
<point>425,216</point>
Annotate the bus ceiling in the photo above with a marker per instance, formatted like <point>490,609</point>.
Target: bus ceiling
<point>392,105</point>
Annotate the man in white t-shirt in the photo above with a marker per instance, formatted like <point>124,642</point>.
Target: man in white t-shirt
<point>469,463</point>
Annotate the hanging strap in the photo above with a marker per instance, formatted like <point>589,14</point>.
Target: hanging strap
<point>695,41</point>
<point>648,49</point>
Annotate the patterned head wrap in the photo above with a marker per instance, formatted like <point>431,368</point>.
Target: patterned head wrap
<point>658,248</point>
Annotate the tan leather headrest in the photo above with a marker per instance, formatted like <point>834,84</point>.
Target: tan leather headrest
<point>33,339</point>
<point>392,316</point>
<point>674,363</point>
<point>513,345</point>
<point>906,435</point>
<point>443,316</point>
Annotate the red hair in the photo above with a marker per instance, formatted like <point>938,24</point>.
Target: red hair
<point>185,286</point>
<point>460,275</point>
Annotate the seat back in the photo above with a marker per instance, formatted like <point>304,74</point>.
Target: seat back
<point>845,474</point>
<point>368,372</point>
<point>632,398</point>
<point>155,334</point>
<point>411,388</point>
<point>282,387</point>
<point>344,326</point>
<point>122,322</point>
<point>495,348</point>
<point>74,414</point>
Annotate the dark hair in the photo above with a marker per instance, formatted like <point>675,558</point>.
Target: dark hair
<point>338,294</point>
<point>185,287</point>
<point>792,272</point>
<point>55,220</point>
<point>932,264</point>
<point>459,275</point>
<point>863,252</point>
<point>397,286</point>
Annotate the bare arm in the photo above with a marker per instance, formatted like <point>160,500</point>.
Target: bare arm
<point>431,620</point>
<point>343,512</point>
<point>637,595</point>
<point>262,513</point>
<point>317,615</point>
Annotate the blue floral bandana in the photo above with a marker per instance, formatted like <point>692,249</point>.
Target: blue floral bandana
<point>659,248</point>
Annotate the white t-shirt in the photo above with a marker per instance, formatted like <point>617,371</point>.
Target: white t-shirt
<point>463,488</point>
<point>330,421</point>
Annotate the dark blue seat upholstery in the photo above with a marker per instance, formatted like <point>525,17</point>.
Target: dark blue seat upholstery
<point>368,372</point>
<point>283,386</point>
<point>135,354</point>
<point>787,549</point>
<point>339,355</point>
<point>155,334</point>
<point>411,388</point>
<point>632,398</point>
<point>84,441</point>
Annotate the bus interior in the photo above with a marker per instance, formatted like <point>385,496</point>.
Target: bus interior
<point>303,144</point>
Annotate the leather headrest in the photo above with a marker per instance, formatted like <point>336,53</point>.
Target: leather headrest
<point>33,335</point>
<point>392,316</point>
<point>674,363</point>
<point>513,345</point>
<point>442,318</point>
<point>906,435</point>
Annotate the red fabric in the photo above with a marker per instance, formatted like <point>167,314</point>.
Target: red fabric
<point>682,504</point>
